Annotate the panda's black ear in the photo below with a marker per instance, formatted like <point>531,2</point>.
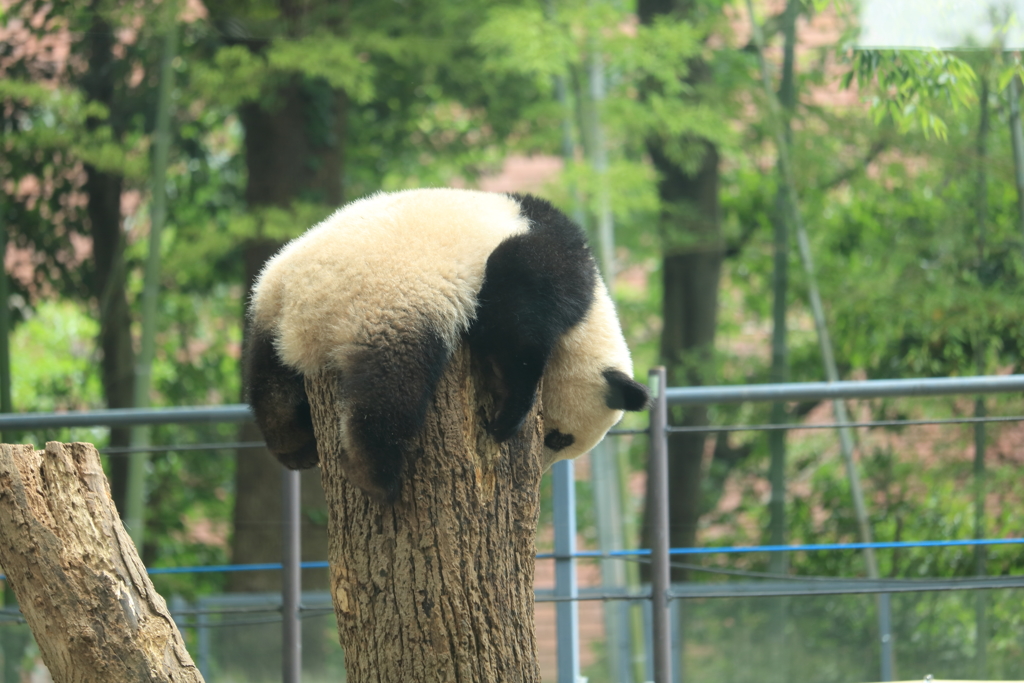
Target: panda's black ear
<point>624,393</point>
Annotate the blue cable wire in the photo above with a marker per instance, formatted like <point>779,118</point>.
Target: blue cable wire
<point>214,568</point>
<point>588,554</point>
<point>320,564</point>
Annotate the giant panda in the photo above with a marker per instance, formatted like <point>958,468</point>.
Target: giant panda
<point>385,289</point>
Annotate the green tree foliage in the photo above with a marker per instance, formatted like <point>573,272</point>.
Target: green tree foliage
<point>53,352</point>
<point>524,40</point>
<point>911,84</point>
<point>45,139</point>
<point>922,286</point>
<point>913,287</point>
<point>52,134</point>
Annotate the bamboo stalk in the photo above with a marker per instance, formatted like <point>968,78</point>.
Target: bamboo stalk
<point>135,497</point>
<point>981,227</point>
<point>5,320</point>
<point>824,340</point>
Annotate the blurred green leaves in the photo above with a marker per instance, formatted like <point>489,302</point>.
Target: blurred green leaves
<point>55,120</point>
<point>53,359</point>
<point>914,87</point>
<point>237,75</point>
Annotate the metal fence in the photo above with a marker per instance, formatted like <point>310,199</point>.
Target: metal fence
<point>663,600</point>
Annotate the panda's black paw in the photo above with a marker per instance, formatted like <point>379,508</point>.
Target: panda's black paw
<point>302,458</point>
<point>515,402</point>
<point>505,425</point>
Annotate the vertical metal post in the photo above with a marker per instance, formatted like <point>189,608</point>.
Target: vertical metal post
<point>980,551</point>
<point>675,615</point>
<point>291,586</point>
<point>648,640</point>
<point>567,609</point>
<point>604,478</point>
<point>178,606</point>
<point>660,577</point>
<point>885,629</point>
<point>203,638</point>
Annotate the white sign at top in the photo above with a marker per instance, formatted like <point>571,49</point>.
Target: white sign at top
<point>941,24</point>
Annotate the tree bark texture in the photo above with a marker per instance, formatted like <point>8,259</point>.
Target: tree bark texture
<point>438,586</point>
<point>80,582</point>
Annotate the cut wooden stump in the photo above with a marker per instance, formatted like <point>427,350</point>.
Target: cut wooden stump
<point>78,579</point>
<point>438,586</point>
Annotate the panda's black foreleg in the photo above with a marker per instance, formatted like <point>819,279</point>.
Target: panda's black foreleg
<point>537,285</point>
<point>277,395</point>
<point>388,388</point>
<point>520,370</point>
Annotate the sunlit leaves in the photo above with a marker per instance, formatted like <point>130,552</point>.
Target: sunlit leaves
<point>1015,69</point>
<point>54,355</point>
<point>325,56</point>
<point>913,88</point>
<point>630,186</point>
<point>275,224</point>
<point>54,119</point>
<point>236,75</point>
<point>647,95</point>
<point>819,5</point>
<point>660,52</point>
<point>522,40</point>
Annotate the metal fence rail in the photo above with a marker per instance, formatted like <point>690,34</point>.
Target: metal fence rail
<point>821,391</point>
<point>126,417</point>
<point>794,391</point>
<point>566,593</point>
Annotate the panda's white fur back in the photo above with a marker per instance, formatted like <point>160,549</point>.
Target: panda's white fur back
<point>377,265</point>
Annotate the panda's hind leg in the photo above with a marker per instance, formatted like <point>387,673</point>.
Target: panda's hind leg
<point>387,388</point>
<point>537,285</point>
<point>277,396</point>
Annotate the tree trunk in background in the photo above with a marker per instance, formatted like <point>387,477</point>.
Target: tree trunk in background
<point>778,563</point>
<point>690,314</point>
<point>691,277</point>
<point>439,585</point>
<point>109,284</point>
<point>286,162</point>
<point>118,364</point>
<point>780,287</point>
<point>287,156</point>
<point>981,635</point>
<point>80,582</point>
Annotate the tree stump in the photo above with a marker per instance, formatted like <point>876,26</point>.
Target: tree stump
<point>439,585</point>
<point>76,574</point>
